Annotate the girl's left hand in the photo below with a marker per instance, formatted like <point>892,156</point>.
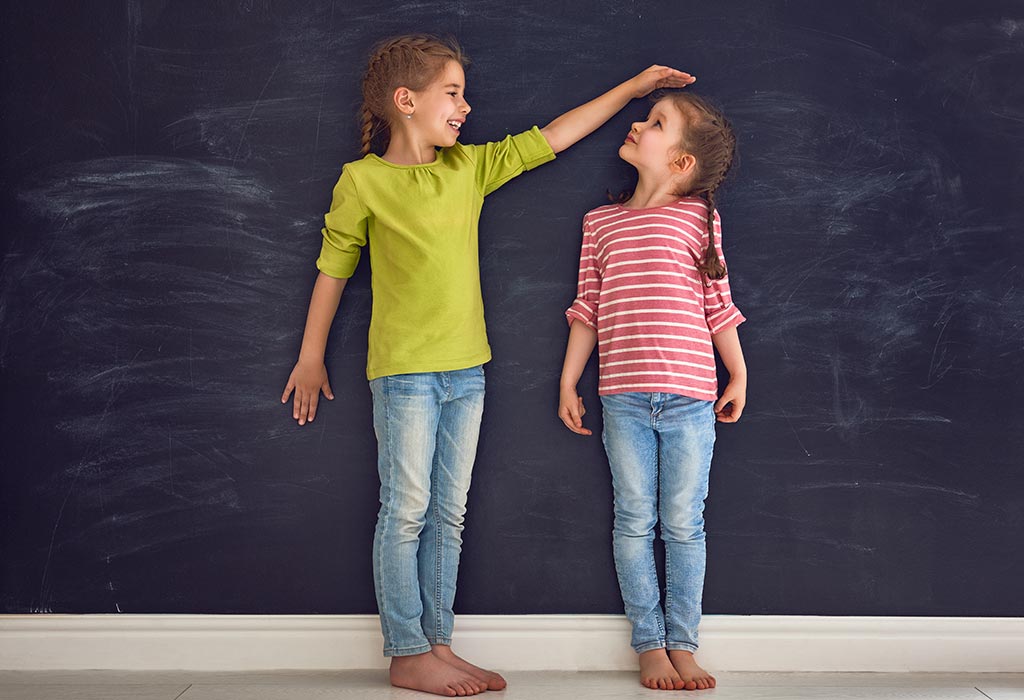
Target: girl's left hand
<point>657,77</point>
<point>729,406</point>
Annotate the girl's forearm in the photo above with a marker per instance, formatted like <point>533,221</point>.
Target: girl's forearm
<point>322,307</point>
<point>577,123</point>
<point>727,343</point>
<point>582,339</point>
<point>572,126</point>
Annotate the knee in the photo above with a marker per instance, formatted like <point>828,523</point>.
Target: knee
<point>634,522</point>
<point>404,517</point>
<point>681,530</point>
<point>452,514</point>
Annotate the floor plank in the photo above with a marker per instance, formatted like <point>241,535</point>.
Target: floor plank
<point>546,685</point>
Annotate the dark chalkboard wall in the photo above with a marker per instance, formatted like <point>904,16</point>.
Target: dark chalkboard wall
<point>165,169</point>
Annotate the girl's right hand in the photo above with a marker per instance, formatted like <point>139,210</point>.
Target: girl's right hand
<point>658,77</point>
<point>571,411</point>
<point>307,379</point>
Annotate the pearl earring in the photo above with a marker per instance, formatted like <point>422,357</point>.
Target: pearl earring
<point>408,116</point>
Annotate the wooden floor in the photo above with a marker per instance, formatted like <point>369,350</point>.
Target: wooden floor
<point>524,685</point>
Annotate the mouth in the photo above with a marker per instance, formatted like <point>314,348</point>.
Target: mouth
<point>455,124</point>
<point>629,139</point>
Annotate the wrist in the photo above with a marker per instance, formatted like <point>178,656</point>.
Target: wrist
<point>310,358</point>
<point>738,376</point>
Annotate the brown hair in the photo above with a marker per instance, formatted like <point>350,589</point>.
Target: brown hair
<point>710,139</point>
<point>412,61</point>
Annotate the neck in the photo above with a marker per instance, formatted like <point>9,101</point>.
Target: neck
<point>403,149</point>
<point>651,193</point>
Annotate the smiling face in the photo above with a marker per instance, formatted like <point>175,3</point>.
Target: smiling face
<point>654,145</point>
<point>439,110</point>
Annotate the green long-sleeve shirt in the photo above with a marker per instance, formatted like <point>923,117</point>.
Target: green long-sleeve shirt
<point>421,222</point>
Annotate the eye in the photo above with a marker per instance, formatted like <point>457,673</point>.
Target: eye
<point>453,94</point>
<point>657,123</point>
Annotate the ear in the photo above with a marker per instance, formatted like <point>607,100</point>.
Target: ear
<point>684,164</point>
<point>402,100</point>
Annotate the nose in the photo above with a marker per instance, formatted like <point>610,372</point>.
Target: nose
<point>466,109</point>
<point>635,127</point>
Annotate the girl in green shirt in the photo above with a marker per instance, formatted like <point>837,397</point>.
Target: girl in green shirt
<point>419,205</point>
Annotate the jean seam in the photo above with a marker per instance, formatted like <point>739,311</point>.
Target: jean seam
<point>406,651</point>
<point>681,646</point>
<point>649,646</point>
<point>388,634</point>
<point>439,540</point>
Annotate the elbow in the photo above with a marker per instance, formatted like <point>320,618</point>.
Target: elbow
<point>554,138</point>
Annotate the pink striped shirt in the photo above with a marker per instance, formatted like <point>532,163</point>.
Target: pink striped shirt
<point>653,311</point>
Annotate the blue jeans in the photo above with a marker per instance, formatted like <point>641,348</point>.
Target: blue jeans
<point>427,427</point>
<point>659,448</point>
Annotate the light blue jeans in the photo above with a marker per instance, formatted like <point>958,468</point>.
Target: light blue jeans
<point>659,448</point>
<point>427,427</point>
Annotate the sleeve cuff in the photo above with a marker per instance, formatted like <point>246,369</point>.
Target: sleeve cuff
<point>533,148</point>
<point>724,319</point>
<point>337,267</point>
<point>577,312</point>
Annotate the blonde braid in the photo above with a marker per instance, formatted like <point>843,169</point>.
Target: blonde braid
<point>710,139</point>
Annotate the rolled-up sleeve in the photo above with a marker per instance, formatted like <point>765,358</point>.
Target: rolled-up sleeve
<point>500,161</point>
<point>344,231</point>
<point>719,310</point>
<point>588,289</point>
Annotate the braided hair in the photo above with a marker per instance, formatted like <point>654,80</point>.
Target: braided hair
<point>412,61</point>
<point>710,139</point>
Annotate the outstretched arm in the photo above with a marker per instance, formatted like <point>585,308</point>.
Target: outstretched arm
<point>577,123</point>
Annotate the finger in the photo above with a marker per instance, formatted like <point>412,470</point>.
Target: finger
<point>725,417</point>
<point>326,388</point>
<point>303,408</point>
<point>720,404</point>
<point>563,413</point>
<point>574,414</point>
<point>314,401</point>
<point>297,403</point>
<point>287,390</point>
<point>737,411</point>
<point>571,421</point>
<point>582,409</point>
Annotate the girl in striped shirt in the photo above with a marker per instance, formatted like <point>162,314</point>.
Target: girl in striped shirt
<point>654,297</point>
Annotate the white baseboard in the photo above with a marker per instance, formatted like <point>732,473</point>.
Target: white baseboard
<point>510,643</point>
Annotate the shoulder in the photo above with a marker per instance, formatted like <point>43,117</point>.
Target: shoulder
<point>695,206</point>
<point>457,153</point>
<point>359,167</point>
<point>600,213</point>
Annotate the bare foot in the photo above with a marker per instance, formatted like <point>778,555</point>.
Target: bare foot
<point>657,672</point>
<point>430,674</point>
<point>492,679</point>
<point>694,677</point>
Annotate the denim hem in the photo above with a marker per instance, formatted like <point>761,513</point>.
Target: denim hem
<point>407,651</point>
<point>681,646</point>
<point>440,641</point>
<point>648,646</point>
